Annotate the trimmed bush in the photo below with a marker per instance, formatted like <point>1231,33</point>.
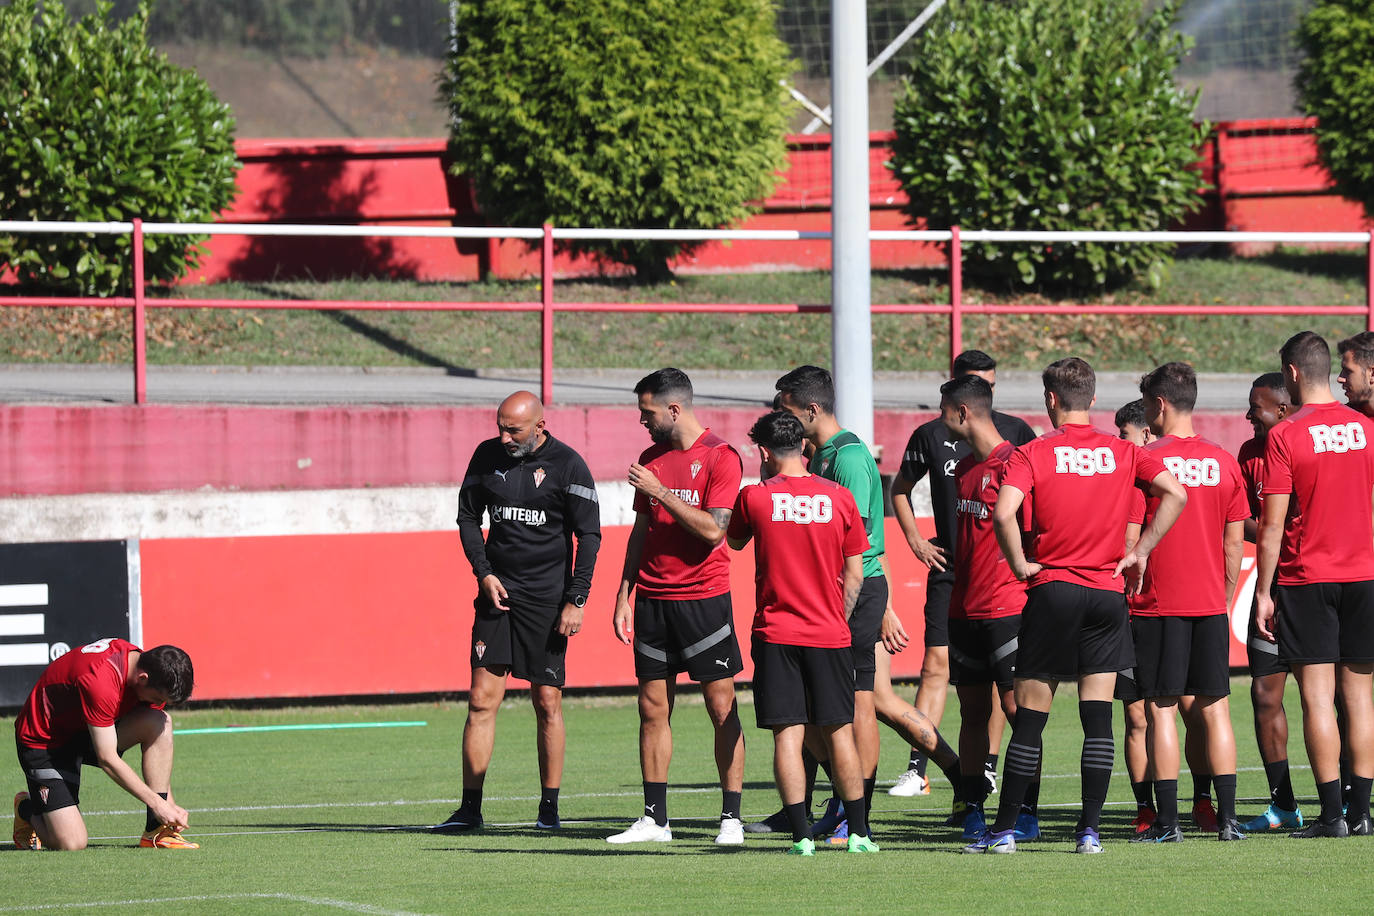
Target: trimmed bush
<point>1051,115</point>
<point>619,113</point>
<point>95,125</point>
<point>1336,86</point>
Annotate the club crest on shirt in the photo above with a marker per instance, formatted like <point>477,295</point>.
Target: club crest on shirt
<point>539,476</point>
<point>825,466</point>
<point>987,479</point>
<point>479,648</point>
<point>950,465</point>
<point>696,469</point>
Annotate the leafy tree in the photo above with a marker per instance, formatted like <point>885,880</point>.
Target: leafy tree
<point>1051,115</point>
<point>1336,86</point>
<point>618,114</point>
<point>95,125</point>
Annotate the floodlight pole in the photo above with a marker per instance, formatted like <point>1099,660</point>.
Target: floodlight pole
<point>850,318</point>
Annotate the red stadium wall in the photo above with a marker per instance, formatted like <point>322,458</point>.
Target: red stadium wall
<point>1264,174</point>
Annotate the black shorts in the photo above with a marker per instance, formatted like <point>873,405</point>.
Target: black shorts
<point>1069,630</point>
<point>1127,689</point>
<point>1261,655</point>
<point>1183,656</point>
<point>1326,622</point>
<point>983,651</point>
<point>801,685</point>
<point>939,589</point>
<point>524,639</point>
<point>54,774</point>
<point>866,628</point>
<point>696,636</point>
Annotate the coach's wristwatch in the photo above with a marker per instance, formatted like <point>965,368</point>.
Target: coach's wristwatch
<point>577,600</point>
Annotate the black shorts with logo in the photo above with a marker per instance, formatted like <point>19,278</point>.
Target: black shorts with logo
<point>696,636</point>
<point>939,589</point>
<point>54,774</point>
<point>1127,689</point>
<point>802,685</point>
<point>1069,630</point>
<point>1326,622</point>
<point>1261,655</point>
<point>866,628</point>
<point>1183,656</point>
<point>524,639</point>
<point>983,651</point>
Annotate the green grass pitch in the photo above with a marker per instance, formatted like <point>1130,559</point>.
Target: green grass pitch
<point>326,821</point>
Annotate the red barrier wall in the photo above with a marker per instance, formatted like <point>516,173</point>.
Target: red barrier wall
<point>1264,174</point>
<point>392,613</point>
<point>126,449</point>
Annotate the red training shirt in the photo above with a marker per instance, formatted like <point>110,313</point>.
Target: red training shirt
<point>87,686</point>
<point>1186,575</point>
<point>1082,480</point>
<point>984,587</point>
<point>677,564</point>
<point>1322,456</point>
<point>1251,461</point>
<point>803,528</point>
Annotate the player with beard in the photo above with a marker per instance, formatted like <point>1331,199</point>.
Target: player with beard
<point>1269,405</point>
<point>932,452</point>
<point>1357,371</point>
<point>538,496</point>
<point>1315,579</point>
<point>677,564</point>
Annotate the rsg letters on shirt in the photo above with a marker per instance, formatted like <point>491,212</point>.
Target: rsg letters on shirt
<point>1194,472</point>
<point>1085,462</point>
<point>1343,437</point>
<point>801,509</point>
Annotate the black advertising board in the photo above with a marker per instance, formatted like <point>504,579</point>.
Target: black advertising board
<point>55,597</point>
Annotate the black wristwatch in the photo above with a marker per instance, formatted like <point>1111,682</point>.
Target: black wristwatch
<point>578,601</point>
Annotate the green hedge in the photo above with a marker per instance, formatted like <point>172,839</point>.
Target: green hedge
<point>95,125</point>
<point>619,113</point>
<point>1051,115</point>
<point>1336,86</point>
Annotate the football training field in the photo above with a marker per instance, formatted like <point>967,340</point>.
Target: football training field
<point>331,820</point>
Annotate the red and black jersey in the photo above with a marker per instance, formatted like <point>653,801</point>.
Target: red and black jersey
<point>677,564</point>
<point>1323,458</point>
<point>803,528</point>
<point>1082,480</point>
<point>984,587</point>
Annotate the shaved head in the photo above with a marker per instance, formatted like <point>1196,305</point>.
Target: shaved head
<point>520,422</point>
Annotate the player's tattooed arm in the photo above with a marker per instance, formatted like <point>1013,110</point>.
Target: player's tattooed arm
<point>853,582</point>
<point>721,516</point>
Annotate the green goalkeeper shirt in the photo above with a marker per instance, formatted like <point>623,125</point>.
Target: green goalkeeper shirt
<point>845,459</point>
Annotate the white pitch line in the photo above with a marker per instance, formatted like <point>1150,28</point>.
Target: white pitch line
<point>346,905</point>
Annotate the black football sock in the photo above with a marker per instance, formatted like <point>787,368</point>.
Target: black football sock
<point>1030,803</point>
<point>991,764</point>
<point>1202,786</point>
<point>729,804</point>
<point>1166,802</point>
<point>1143,795</point>
<point>548,803</point>
<point>919,761</point>
<point>656,802</point>
<point>1023,762</point>
<point>151,822</point>
<point>809,767</point>
<point>25,809</point>
<point>797,820</point>
<point>974,790</point>
<point>1359,798</point>
<point>1095,763</point>
<point>856,812</point>
<point>1330,795</point>
<point>1226,797</point>
<point>950,767</point>
<point>472,801</point>
<point>869,783</point>
<point>1280,785</point>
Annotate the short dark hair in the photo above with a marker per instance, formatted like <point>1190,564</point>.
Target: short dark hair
<point>1132,414</point>
<point>972,361</point>
<point>1174,382</point>
<point>1073,382</point>
<point>809,385</point>
<point>669,382</point>
<point>969,391</point>
<point>778,431</point>
<point>1273,381</point>
<point>1309,352</point>
<point>169,670</point>
<point>1361,346</point>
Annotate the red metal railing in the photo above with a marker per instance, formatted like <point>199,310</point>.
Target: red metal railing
<point>956,309</point>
